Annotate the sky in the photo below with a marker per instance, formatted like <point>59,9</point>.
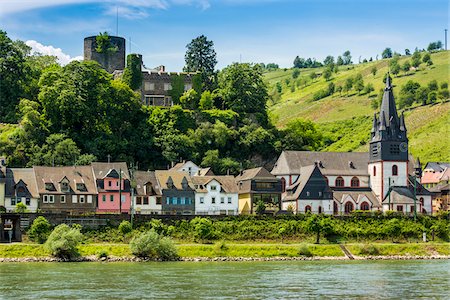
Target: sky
<point>268,31</point>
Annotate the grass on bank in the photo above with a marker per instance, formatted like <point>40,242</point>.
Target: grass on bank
<point>221,249</point>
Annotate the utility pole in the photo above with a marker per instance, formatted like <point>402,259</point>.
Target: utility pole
<point>120,191</point>
<point>117,21</point>
<point>132,184</point>
<point>445,30</point>
<point>415,198</point>
<point>389,191</point>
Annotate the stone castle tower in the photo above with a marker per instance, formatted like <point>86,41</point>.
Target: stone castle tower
<point>109,61</point>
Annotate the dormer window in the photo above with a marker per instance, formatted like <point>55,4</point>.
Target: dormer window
<point>213,188</point>
<point>81,187</point>
<point>64,186</point>
<point>49,186</point>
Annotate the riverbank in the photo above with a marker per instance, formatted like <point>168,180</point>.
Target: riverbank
<point>223,251</point>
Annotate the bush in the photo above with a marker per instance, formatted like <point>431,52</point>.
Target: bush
<point>151,245</point>
<point>21,208</point>
<point>369,250</point>
<point>102,253</point>
<point>203,229</point>
<point>63,242</point>
<point>39,230</point>
<point>125,227</point>
<point>304,251</point>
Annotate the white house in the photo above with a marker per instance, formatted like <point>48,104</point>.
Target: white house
<point>21,187</point>
<point>215,195</point>
<point>148,193</point>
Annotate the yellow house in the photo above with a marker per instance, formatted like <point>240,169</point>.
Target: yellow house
<point>256,185</point>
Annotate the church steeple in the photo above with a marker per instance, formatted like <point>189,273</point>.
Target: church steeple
<point>388,140</point>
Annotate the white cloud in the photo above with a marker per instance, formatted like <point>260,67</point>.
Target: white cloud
<point>63,58</point>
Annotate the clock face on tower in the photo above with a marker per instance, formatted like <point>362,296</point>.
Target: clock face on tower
<point>403,147</point>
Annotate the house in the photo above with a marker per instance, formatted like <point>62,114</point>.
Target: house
<point>215,195</point>
<point>255,185</point>
<point>66,189</point>
<point>440,197</point>
<point>192,169</point>
<point>113,185</point>
<point>178,192</point>
<point>20,187</point>
<point>310,193</point>
<point>361,180</point>
<point>435,173</point>
<point>148,196</point>
<point>2,183</point>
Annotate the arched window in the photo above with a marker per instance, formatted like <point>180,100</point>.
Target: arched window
<point>355,182</point>
<point>348,207</point>
<point>394,170</point>
<point>320,210</point>
<point>283,185</point>
<point>307,209</point>
<point>421,201</point>
<point>374,171</point>
<point>365,206</point>
<point>339,181</point>
<point>335,208</point>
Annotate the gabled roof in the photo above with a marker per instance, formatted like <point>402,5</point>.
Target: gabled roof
<point>14,175</point>
<point>437,166</point>
<point>330,163</point>
<point>205,172</point>
<point>256,173</point>
<point>75,174</point>
<point>400,195</point>
<point>227,183</point>
<point>101,169</point>
<point>177,177</point>
<point>295,190</point>
<point>179,166</point>
<point>357,196</point>
<point>144,177</point>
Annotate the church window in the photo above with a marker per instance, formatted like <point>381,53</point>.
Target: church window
<point>394,170</point>
<point>283,185</point>
<point>364,206</point>
<point>320,210</point>
<point>355,182</point>
<point>339,181</point>
<point>348,207</point>
<point>307,209</point>
<point>374,171</point>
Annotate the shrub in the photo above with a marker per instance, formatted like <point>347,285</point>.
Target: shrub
<point>304,251</point>
<point>63,241</point>
<point>151,245</point>
<point>369,249</point>
<point>39,230</point>
<point>203,229</point>
<point>102,253</point>
<point>220,248</point>
<point>125,227</point>
<point>21,208</point>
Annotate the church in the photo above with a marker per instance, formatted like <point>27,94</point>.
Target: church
<point>385,179</point>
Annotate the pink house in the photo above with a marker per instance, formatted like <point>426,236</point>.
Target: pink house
<point>113,185</point>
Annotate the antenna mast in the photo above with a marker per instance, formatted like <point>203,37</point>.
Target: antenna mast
<point>117,21</point>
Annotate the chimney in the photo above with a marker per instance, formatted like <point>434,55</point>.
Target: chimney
<point>350,164</point>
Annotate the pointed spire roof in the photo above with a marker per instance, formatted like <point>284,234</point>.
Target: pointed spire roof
<point>375,123</point>
<point>388,109</point>
<point>402,123</point>
<point>382,122</point>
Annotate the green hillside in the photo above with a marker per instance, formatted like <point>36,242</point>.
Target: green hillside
<point>346,118</point>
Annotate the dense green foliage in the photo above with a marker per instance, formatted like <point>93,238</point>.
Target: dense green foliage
<point>132,75</point>
<point>63,241</point>
<point>39,230</point>
<point>152,245</point>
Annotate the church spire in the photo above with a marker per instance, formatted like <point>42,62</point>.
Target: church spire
<point>388,108</point>
<point>375,124</point>
<point>402,123</point>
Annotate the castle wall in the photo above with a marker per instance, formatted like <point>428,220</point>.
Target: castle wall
<point>110,62</point>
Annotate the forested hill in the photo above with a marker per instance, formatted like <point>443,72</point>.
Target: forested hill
<point>343,106</point>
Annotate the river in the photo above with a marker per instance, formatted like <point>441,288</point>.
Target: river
<point>227,280</point>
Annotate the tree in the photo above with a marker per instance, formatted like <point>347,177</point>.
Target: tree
<point>347,57</point>
<point>317,224</point>
<point>368,88</point>
<point>301,135</point>
<point>433,85</point>
<point>12,75</point>
<point>348,84</point>
<point>432,97</point>
<point>58,150</point>
<point>313,76</point>
<point>426,58</point>
<point>329,60</point>
<point>243,88</point>
<point>201,57</point>
<point>203,229</point>
<point>327,74</point>
<point>189,100</point>
<point>132,74</point>
<point>387,53</point>
<point>407,52</point>
<point>416,59</point>
<point>295,73</point>
<point>339,61</point>
<point>63,241</point>
<point>39,230</point>
<point>422,95</point>
<point>406,66</point>
<point>260,207</point>
<point>374,70</point>
<point>299,62</point>
<point>206,101</point>
<point>21,208</point>
<point>394,67</point>
<point>359,83</point>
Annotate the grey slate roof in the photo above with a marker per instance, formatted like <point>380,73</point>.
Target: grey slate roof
<point>101,169</point>
<point>437,166</point>
<point>256,173</point>
<point>332,163</point>
<point>14,175</point>
<point>356,196</point>
<point>300,184</point>
<point>400,195</point>
<point>144,177</point>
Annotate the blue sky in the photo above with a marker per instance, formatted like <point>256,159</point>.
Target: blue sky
<point>247,30</point>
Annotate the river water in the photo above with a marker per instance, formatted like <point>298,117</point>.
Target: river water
<point>227,280</point>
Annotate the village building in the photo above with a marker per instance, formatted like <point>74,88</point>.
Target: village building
<point>215,195</point>
<point>148,197</point>
<point>66,189</point>
<point>178,192</point>
<point>20,187</point>
<point>255,185</point>
<point>435,173</point>
<point>383,179</point>
<point>114,187</point>
<point>192,169</point>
